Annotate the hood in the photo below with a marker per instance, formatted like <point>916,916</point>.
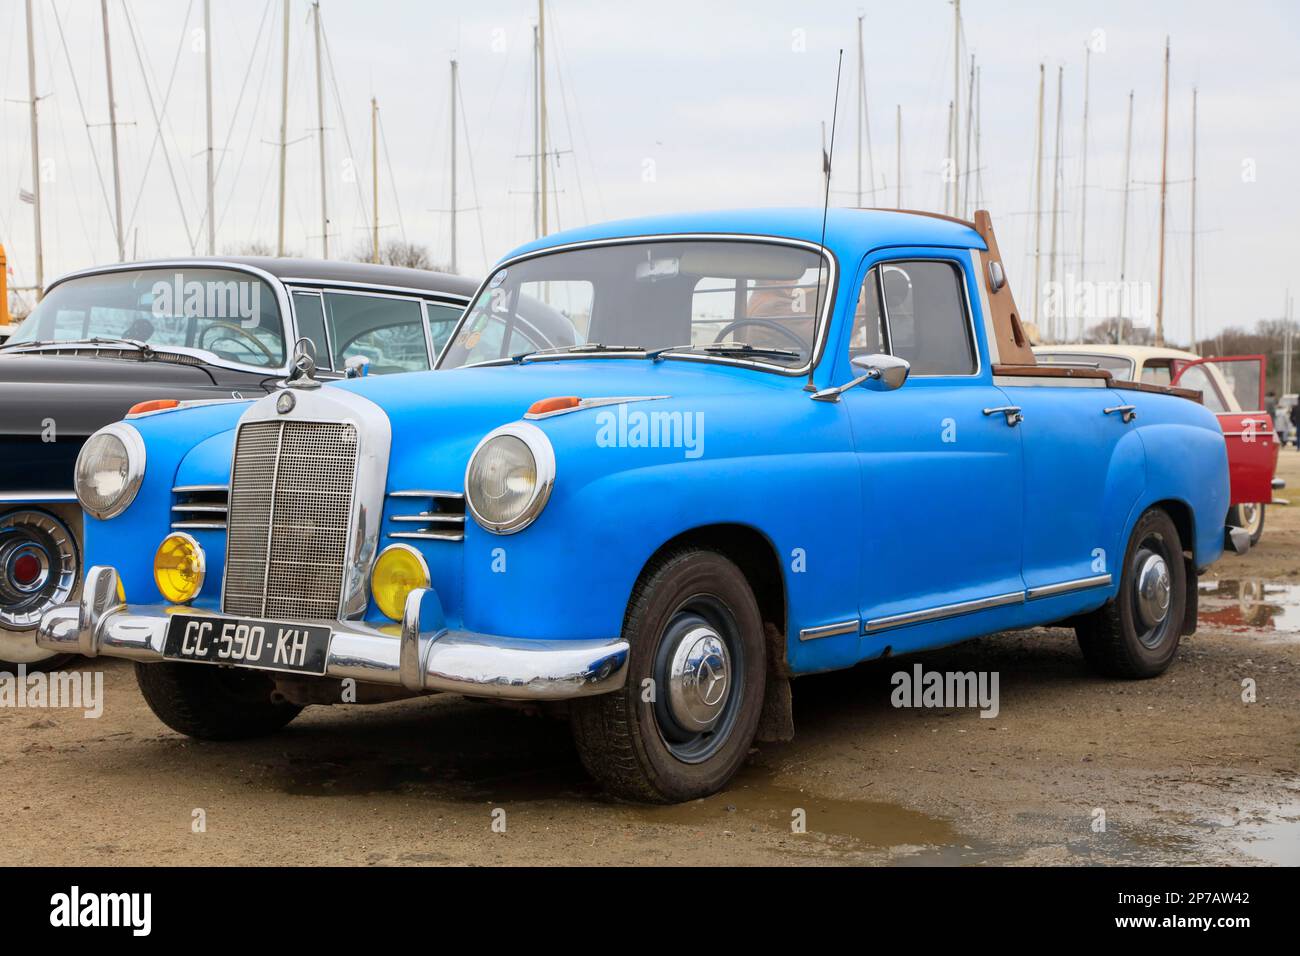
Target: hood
<point>80,394</point>
<point>438,418</point>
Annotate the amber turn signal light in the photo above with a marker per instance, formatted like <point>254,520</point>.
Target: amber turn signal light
<point>157,405</point>
<point>558,403</point>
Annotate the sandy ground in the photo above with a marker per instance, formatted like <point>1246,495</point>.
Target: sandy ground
<point>1184,770</point>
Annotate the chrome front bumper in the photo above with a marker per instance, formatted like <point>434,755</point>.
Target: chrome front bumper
<point>420,654</point>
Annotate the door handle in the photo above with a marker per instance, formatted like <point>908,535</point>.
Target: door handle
<point>1012,412</point>
<point>1127,412</point>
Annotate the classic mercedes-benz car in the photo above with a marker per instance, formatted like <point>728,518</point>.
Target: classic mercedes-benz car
<point>194,330</point>
<point>1231,386</point>
<point>762,454</point>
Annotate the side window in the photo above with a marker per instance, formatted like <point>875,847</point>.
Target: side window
<point>311,324</point>
<point>868,334</point>
<point>926,318</point>
<point>1198,378</point>
<point>388,331</point>
<point>1154,373</point>
<point>442,319</point>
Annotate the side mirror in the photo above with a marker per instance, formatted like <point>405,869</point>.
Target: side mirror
<point>882,373</point>
<point>356,366</point>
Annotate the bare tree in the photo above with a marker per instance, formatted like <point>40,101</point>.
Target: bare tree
<point>398,252</point>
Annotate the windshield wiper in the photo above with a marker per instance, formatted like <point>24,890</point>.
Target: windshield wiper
<point>588,348</point>
<point>729,349</point>
<point>145,349</point>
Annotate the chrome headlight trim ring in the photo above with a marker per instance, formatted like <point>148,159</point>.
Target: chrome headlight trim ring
<point>544,461</point>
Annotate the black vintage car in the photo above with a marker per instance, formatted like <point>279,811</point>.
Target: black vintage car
<point>103,340</point>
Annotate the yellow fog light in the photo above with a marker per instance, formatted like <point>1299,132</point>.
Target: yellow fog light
<point>399,570</point>
<point>178,568</point>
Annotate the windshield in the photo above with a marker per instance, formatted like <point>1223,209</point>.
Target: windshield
<point>231,315</point>
<point>650,295</point>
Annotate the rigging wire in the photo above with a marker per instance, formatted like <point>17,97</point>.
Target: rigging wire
<point>158,119</point>
<point>343,121</point>
<point>234,117</point>
<point>392,180</point>
<point>473,178</point>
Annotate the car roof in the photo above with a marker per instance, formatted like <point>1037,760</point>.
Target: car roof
<point>851,230</point>
<point>319,271</point>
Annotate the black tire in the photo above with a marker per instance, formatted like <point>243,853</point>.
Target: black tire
<point>636,747</point>
<point>1116,639</point>
<point>1240,516</point>
<point>213,703</point>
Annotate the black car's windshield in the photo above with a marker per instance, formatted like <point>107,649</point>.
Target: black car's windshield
<point>228,314</point>
<point>737,299</point>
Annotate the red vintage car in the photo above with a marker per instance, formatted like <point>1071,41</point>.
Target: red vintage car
<point>1231,386</point>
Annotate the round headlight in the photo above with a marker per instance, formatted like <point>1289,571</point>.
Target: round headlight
<point>109,470</point>
<point>509,477</point>
<point>399,570</point>
<point>178,568</point>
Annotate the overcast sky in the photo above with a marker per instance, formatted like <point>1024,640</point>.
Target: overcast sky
<point>658,107</point>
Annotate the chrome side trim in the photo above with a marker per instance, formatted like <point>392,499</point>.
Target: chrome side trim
<point>444,520</point>
<point>34,497</point>
<point>829,630</point>
<point>943,611</point>
<point>1065,587</point>
<point>189,489</point>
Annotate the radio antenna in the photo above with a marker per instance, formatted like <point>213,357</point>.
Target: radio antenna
<point>826,205</point>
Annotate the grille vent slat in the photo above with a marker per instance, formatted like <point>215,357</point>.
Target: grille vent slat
<point>200,507</point>
<point>290,506</point>
<point>435,516</point>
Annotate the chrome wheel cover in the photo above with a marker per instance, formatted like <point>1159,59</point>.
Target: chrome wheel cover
<point>38,569</point>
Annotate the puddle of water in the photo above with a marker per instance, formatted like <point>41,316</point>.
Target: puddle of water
<point>1251,603</point>
<point>752,800</point>
<point>1271,834</point>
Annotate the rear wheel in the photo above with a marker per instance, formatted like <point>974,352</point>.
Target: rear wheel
<point>1249,516</point>
<point>213,703</point>
<point>683,724</point>
<point>1136,634</point>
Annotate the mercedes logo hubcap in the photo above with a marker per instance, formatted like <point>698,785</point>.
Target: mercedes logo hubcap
<point>699,679</point>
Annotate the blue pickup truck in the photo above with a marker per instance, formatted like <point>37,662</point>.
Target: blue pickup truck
<point>740,447</point>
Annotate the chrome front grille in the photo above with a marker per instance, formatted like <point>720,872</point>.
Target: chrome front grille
<point>291,494</point>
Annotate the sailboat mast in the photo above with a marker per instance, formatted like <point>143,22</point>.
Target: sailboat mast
<point>374,179</point>
<point>112,132</point>
<point>956,99</point>
<point>537,146</point>
<point>898,155</point>
<point>320,132</point>
<point>1164,191</point>
<point>284,126</point>
<point>1083,187</point>
<point>970,107</point>
<point>1123,236</point>
<point>1038,199</point>
<point>36,155</point>
<point>1192,309</point>
<point>862,91</point>
<point>1059,324</point>
<point>541,106</point>
<point>207,96</point>
<point>453,167</point>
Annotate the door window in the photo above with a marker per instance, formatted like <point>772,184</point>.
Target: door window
<point>387,330</point>
<point>916,310</point>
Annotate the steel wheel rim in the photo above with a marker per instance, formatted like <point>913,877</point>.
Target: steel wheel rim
<point>1152,595</point>
<point>698,679</point>
<point>1250,514</point>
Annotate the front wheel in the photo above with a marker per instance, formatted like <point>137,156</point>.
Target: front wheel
<point>1136,633</point>
<point>1249,516</point>
<point>213,703</point>
<point>683,724</point>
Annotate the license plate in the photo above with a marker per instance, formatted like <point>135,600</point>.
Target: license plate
<point>265,645</point>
